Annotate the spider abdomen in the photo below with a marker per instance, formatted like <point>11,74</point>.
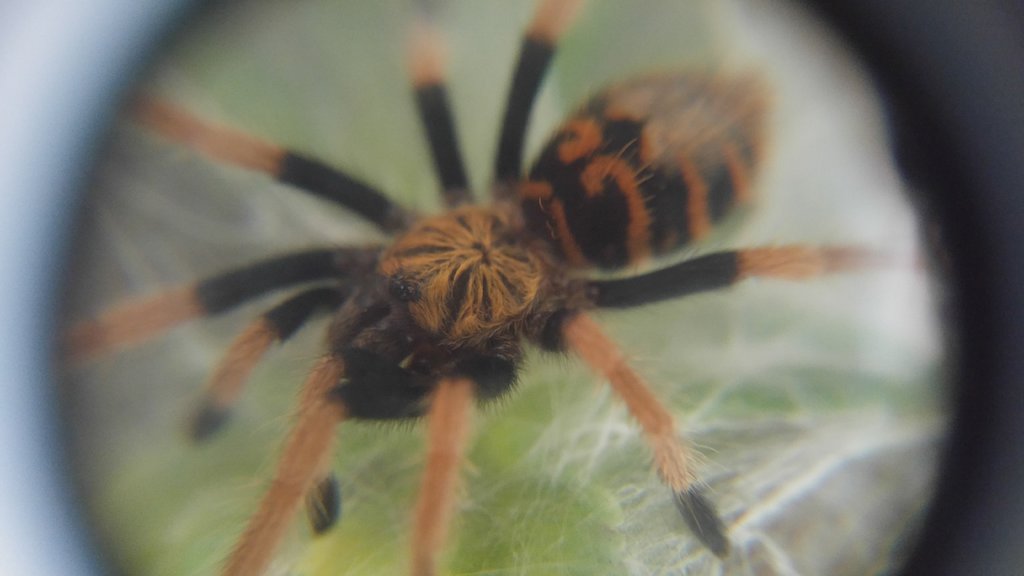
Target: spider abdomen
<point>646,166</point>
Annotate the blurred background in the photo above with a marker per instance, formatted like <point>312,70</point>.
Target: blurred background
<point>820,408</point>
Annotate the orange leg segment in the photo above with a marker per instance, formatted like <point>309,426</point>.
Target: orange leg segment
<point>552,18</point>
<point>672,458</point>
<point>798,262</point>
<point>218,142</point>
<point>229,377</point>
<point>133,322</point>
<point>136,320</point>
<point>236,148</point>
<point>301,466</point>
<point>448,429</point>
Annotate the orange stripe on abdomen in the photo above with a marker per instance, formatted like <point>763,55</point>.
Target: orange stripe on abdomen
<point>638,233</point>
<point>698,216</point>
<point>535,190</point>
<point>572,251</point>
<point>581,138</point>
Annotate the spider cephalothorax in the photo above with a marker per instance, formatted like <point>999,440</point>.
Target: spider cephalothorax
<point>439,317</point>
<point>471,275</point>
<point>455,294</point>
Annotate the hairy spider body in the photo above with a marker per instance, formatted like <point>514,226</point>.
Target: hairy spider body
<point>440,316</point>
<point>473,275</point>
<point>643,167</point>
<point>648,165</point>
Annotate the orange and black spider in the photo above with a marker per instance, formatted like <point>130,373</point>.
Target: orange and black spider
<point>439,317</point>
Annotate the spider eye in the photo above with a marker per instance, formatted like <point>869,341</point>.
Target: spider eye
<point>404,289</point>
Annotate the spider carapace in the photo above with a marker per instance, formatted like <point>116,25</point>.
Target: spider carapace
<point>440,316</point>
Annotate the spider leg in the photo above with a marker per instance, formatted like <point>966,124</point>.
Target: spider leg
<point>323,503</point>
<point>474,377</point>
<point>350,384</point>
<point>229,377</point>
<point>721,269</point>
<point>427,57</point>
<point>672,458</point>
<point>304,457</point>
<point>134,321</point>
<point>550,20</point>
<point>246,151</point>
<point>447,433</point>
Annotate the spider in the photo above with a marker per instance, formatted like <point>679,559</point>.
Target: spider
<point>439,318</point>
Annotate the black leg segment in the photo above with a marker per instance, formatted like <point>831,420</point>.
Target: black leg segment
<point>225,291</point>
<point>276,325</point>
<point>701,274</point>
<point>333,185</point>
<point>702,519</point>
<point>427,62</point>
<point>323,504</point>
<point>228,145</point>
<point>721,269</point>
<point>550,20</point>
<point>552,335</point>
<point>534,57</point>
<point>287,317</point>
<point>432,103</point>
<point>208,420</point>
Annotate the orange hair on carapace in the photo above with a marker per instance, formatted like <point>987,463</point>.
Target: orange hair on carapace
<point>472,274</point>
